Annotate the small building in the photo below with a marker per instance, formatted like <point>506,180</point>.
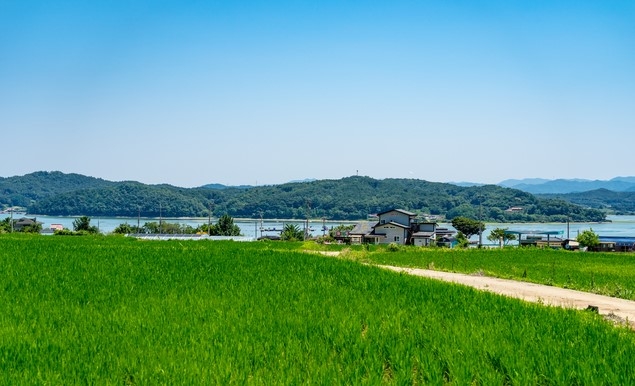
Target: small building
<point>269,237</point>
<point>425,234</point>
<point>24,222</point>
<point>357,235</point>
<point>604,246</point>
<point>616,243</point>
<point>537,238</point>
<point>571,244</point>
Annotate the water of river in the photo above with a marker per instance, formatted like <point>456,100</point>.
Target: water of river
<point>617,226</point>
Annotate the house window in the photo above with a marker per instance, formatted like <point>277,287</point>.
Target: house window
<point>396,238</point>
<point>383,221</point>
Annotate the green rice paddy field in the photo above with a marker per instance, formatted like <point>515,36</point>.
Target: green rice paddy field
<point>112,310</point>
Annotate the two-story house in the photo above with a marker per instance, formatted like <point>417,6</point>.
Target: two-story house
<point>401,227</point>
<point>394,226</point>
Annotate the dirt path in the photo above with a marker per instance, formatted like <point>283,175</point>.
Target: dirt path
<point>617,310</point>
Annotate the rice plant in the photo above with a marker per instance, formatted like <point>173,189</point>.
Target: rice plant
<point>110,310</point>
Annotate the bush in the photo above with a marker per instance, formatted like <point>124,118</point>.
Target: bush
<point>588,239</point>
<point>393,247</point>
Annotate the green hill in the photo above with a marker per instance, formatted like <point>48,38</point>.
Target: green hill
<point>30,188</point>
<point>350,198</point>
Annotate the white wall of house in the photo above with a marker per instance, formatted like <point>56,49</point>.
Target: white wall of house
<point>395,216</point>
<point>422,241</point>
<point>394,233</point>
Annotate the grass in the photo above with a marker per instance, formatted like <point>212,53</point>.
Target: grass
<point>111,310</point>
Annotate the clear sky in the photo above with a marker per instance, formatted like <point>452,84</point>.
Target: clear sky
<point>264,92</point>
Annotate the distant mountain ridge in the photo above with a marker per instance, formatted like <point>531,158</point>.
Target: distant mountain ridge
<point>620,203</point>
<point>564,186</point>
<point>525,181</point>
<point>349,198</point>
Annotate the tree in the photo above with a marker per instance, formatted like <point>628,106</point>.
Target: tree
<point>151,227</point>
<point>498,234</point>
<point>291,232</point>
<point>125,228</point>
<point>467,226</point>
<point>83,224</point>
<point>171,228</point>
<point>588,239</point>
<point>225,227</point>
<point>341,229</point>
<point>34,228</point>
<point>5,225</point>
<point>461,240</point>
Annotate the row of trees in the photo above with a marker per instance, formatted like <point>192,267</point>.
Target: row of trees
<point>82,226</point>
<point>224,227</point>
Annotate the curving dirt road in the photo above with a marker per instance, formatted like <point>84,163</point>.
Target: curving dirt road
<point>617,310</point>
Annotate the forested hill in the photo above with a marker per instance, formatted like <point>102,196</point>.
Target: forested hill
<point>349,198</point>
<point>31,188</point>
<point>621,203</point>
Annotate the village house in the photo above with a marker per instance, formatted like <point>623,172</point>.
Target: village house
<point>398,226</point>
<point>394,226</point>
<point>359,232</point>
<point>424,233</point>
<point>24,222</point>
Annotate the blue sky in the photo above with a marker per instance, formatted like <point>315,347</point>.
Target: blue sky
<point>264,92</point>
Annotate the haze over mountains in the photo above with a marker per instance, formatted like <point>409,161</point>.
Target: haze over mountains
<point>564,186</point>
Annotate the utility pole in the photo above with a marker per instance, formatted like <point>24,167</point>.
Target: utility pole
<point>308,215</point>
<point>209,218</point>
<point>160,218</point>
<point>480,222</point>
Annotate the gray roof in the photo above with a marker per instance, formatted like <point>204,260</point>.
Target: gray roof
<point>26,221</point>
<point>532,232</point>
<point>400,211</point>
<point>362,228</point>
<point>423,234</point>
